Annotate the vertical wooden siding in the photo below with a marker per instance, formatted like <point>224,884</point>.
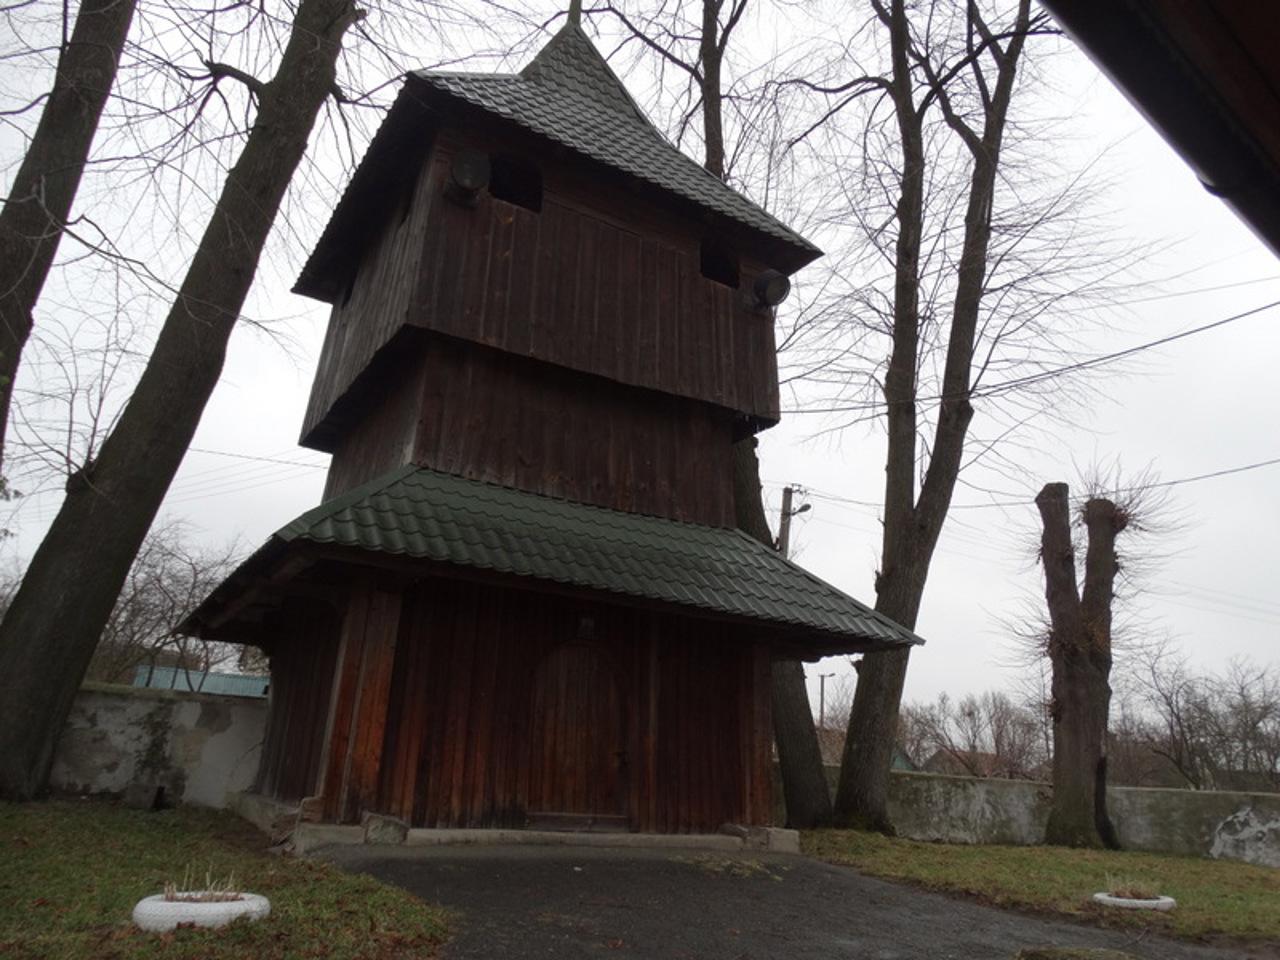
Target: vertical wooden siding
<point>570,285</point>
<point>488,708</point>
<point>358,707</point>
<point>302,665</point>
<point>489,416</point>
<point>377,303</point>
<point>461,705</point>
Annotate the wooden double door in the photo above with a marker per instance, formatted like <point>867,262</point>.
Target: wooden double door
<point>577,740</point>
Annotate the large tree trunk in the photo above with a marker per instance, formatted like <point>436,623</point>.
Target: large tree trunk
<point>1080,654</point>
<point>48,635</point>
<point>912,526</point>
<point>45,186</point>
<point>804,781</point>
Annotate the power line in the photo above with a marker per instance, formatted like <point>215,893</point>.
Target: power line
<point>248,456</point>
<point>1017,501</point>
<point>1032,378</point>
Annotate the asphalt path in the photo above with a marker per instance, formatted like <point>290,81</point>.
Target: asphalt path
<point>524,902</point>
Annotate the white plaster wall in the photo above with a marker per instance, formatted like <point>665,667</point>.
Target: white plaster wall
<point>1202,823</point>
<point>200,748</point>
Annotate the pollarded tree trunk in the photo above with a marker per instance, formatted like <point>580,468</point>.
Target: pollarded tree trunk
<point>804,781</point>
<point>1080,654</point>
<point>40,198</point>
<point>49,633</point>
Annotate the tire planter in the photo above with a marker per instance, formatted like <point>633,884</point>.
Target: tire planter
<point>158,914</point>
<point>1129,903</point>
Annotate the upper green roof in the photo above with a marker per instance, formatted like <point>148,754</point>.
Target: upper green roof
<point>423,514</point>
<point>569,97</point>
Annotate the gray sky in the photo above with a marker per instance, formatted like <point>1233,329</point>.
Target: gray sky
<point>1198,406</point>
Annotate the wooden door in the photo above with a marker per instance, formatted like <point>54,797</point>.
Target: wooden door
<point>578,762</point>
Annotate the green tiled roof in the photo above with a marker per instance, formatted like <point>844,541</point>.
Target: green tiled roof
<point>569,95</point>
<point>422,514</point>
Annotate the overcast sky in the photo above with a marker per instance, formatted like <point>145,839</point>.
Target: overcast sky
<point>1199,406</point>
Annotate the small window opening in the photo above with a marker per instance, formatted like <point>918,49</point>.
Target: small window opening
<point>719,264</point>
<point>517,181</point>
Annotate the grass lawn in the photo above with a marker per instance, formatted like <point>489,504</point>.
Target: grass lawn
<point>71,871</point>
<point>1216,898</point>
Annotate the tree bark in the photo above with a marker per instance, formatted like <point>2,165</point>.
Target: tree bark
<point>1080,654</point>
<point>48,635</point>
<point>912,526</point>
<point>711,56</point>
<point>40,198</point>
<point>804,781</point>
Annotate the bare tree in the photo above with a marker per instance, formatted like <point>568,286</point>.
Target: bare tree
<point>1217,731</point>
<point>951,73</point>
<point>168,579</point>
<point>49,633</point>
<point>985,735</point>
<point>40,198</point>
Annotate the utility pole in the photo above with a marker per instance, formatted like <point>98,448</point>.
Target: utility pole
<point>784,525</point>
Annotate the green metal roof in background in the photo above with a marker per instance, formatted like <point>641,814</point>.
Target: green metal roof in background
<point>422,514</point>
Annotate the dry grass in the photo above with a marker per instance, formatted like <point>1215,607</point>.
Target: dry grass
<point>1216,898</point>
<point>71,872</point>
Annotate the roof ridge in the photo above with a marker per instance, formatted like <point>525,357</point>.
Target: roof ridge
<point>570,62</point>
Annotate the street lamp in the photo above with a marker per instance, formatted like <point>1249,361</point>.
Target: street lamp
<point>822,701</point>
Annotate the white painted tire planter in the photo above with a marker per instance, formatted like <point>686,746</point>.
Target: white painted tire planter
<point>157,913</point>
<point>1128,903</point>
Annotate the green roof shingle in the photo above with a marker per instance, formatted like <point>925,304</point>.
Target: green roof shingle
<point>569,95</point>
<point>422,514</point>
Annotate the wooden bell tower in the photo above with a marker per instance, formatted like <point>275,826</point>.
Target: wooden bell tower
<point>531,287</point>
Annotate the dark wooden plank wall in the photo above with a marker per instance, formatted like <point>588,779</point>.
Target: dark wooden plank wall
<point>378,302</point>
<point>490,416</point>
<point>387,435</point>
<point>701,746</point>
<point>586,283</point>
<point>355,729</point>
<point>491,689</point>
<point>302,666</point>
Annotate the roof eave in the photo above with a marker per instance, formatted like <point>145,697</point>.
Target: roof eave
<point>1161,83</point>
<point>233,611</point>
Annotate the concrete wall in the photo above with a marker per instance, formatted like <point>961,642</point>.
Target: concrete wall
<point>200,748</point>
<point>203,749</point>
<point>1225,826</point>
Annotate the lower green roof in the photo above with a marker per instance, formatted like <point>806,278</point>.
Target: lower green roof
<point>419,513</point>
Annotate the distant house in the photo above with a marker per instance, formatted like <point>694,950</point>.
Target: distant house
<point>523,601</point>
<point>180,678</point>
